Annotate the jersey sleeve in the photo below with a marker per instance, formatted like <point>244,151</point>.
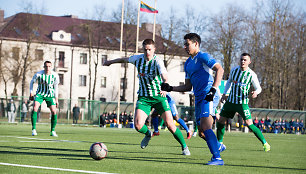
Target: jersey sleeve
<point>33,81</point>
<point>208,60</point>
<point>255,83</point>
<point>56,82</point>
<point>161,66</point>
<point>133,59</point>
<point>228,83</point>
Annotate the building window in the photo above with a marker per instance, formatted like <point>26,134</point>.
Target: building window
<point>83,58</point>
<point>82,101</point>
<point>61,79</point>
<point>61,59</point>
<point>39,54</point>
<point>182,66</point>
<point>82,80</point>
<point>103,82</point>
<point>103,59</point>
<point>16,52</point>
<point>123,81</point>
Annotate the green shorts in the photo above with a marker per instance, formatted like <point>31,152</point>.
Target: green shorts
<point>159,103</point>
<point>229,110</point>
<point>49,100</point>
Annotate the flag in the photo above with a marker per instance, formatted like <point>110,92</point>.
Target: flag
<point>145,8</point>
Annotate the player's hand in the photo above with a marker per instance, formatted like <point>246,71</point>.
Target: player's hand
<point>106,63</point>
<point>166,87</point>
<point>31,98</point>
<point>163,93</point>
<point>210,95</point>
<point>254,94</point>
<point>223,98</point>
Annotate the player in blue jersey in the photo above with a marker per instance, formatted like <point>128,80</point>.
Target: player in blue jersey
<point>198,69</point>
<point>175,117</point>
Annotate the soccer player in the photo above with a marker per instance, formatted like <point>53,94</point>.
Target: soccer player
<point>240,80</point>
<point>175,117</point>
<point>47,90</point>
<point>198,69</point>
<point>151,73</point>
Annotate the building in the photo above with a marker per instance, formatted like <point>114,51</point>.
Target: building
<point>77,48</point>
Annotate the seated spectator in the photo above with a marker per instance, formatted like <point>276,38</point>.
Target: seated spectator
<point>103,120</point>
<point>256,122</point>
<point>297,126</point>
<point>268,124</point>
<point>302,128</point>
<point>114,116</point>
<point>282,125</point>
<point>292,126</point>
<point>287,127</point>
<point>275,126</point>
<point>262,126</point>
<point>131,117</point>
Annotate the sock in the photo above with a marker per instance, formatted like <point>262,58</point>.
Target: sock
<point>212,143</point>
<point>34,119</point>
<point>179,137</point>
<point>220,131</point>
<point>53,122</point>
<point>161,122</point>
<point>183,124</point>
<point>155,123</point>
<point>257,133</point>
<point>195,127</point>
<point>145,130</point>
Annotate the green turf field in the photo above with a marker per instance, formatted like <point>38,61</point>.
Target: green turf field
<point>244,152</point>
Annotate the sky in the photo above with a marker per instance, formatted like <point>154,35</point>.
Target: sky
<point>84,8</point>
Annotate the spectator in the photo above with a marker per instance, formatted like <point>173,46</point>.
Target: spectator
<point>76,113</point>
<point>121,118</point>
<point>262,126</point>
<point>291,125</point>
<point>297,126</point>
<point>11,109</point>
<point>267,124</point>
<point>110,117</point>
<point>282,124</point>
<point>125,117</point>
<point>24,110</point>
<point>131,117</point>
<point>114,116</point>
<point>103,120</point>
<point>287,127</point>
<point>276,126</point>
<point>302,128</point>
<point>256,122</point>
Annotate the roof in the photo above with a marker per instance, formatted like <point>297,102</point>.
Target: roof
<point>106,35</point>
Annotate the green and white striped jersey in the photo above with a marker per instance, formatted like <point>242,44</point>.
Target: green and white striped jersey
<point>47,84</point>
<point>149,74</point>
<point>240,82</point>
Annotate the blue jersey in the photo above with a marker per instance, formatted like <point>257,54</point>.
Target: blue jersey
<point>199,70</point>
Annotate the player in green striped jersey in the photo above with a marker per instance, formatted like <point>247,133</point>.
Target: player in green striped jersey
<point>47,90</point>
<point>240,80</point>
<point>151,73</point>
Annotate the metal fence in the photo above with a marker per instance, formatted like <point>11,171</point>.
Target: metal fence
<point>91,110</point>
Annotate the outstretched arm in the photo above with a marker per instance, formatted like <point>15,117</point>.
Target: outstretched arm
<point>182,88</point>
<point>119,60</point>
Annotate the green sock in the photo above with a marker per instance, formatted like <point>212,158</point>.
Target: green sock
<point>179,137</point>
<point>195,127</point>
<point>53,122</point>
<point>161,122</point>
<point>257,133</point>
<point>34,119</point>
<point>220,131</point>
<point>144,130</point>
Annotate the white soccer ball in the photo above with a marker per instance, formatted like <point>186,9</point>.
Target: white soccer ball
<point>98,151</point>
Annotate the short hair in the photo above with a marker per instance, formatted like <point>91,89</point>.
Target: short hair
<point>194,37</point>
<point>245,54</point>
<point>46,62</point>
<point>148,42</point>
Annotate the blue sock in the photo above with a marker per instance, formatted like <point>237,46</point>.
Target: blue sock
<point>212,143</point>
<point>182,123</point>
<point>155,123</point>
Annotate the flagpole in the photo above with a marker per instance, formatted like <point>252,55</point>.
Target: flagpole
<point>136,52</point>
<point>154,22</point>
<point>119,70</point>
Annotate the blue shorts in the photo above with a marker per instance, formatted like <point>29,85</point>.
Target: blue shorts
<point>204,108</point>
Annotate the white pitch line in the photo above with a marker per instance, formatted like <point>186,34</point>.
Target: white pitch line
<point>51,168</point>
<point>45,140</point>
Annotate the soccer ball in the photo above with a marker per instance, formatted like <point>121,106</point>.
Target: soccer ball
<point>98,151</point>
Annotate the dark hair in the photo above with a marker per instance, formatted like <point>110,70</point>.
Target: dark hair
<point>148,42</point>
<point>46,62</point>
<point>194,37</point>
<point>245,54</point>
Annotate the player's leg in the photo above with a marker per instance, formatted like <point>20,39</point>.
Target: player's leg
<point>155,121</point>
<point>203,108</point>
<point>51,103</point>
<point>37,102</point>
<point>227,111</point>
<point>174,113</point>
